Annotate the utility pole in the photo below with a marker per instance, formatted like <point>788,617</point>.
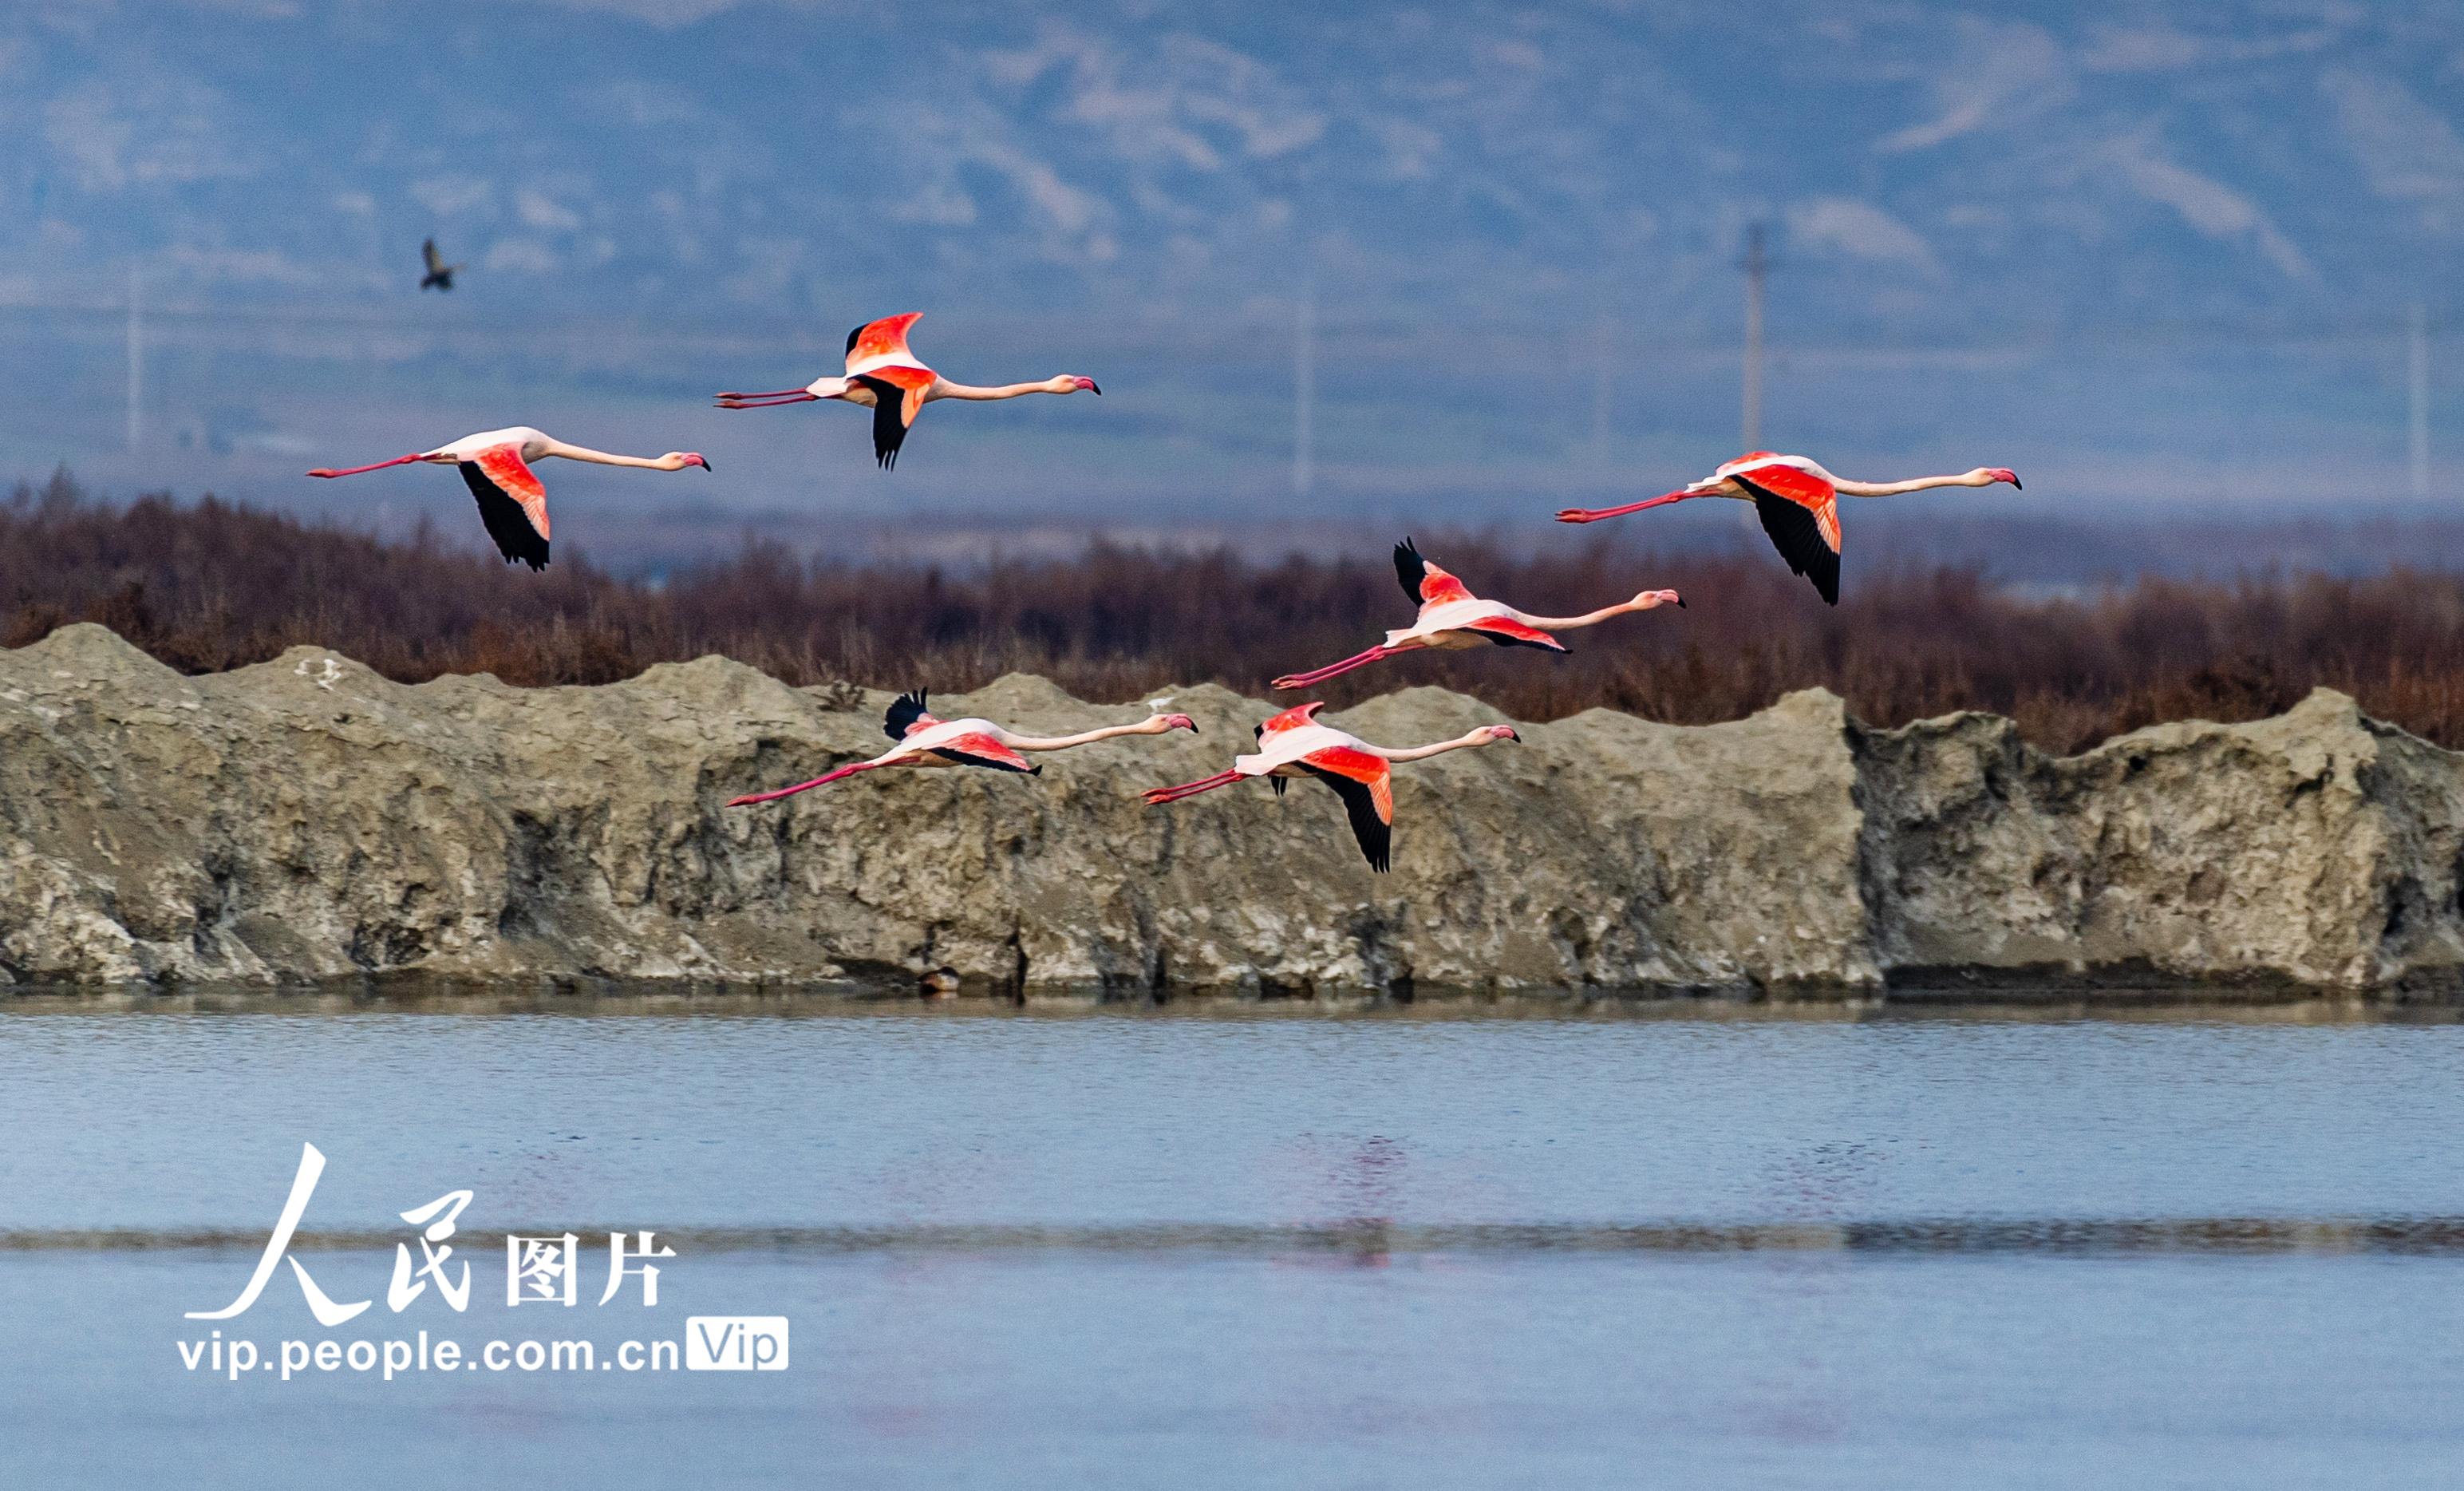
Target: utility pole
<point>135,362</point>
<point>1756,266</point>
<point>2420,443</point>
<point>1601,334</point>
<point>1303,385</point>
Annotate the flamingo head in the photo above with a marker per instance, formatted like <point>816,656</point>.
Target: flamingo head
<point>1993,474</point>
<point>684,459</point>
<point>1651,599</point>
<point>1172,722</point>
<point>1071,382</point>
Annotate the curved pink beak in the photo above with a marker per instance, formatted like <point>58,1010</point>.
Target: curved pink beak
<point>1180,722</point>
<point>2005,473</point>
<point>1089,384</point>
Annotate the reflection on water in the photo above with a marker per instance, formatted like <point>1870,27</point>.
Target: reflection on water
<point>1724,1246</point>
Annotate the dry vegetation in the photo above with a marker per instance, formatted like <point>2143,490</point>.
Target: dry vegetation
<point>213,586</point>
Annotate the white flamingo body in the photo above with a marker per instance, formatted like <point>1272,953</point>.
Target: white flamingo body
<point>1279,753</point>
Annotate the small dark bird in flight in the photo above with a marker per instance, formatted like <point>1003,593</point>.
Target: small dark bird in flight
<point>440,274</point>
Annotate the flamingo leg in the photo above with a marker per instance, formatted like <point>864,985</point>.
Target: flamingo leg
<point>353,471</point>
<point>750,798</point>
<point>1595,514</point>
<point>1158,796</point>
<point>1291,680</point>
<point>765,400</point>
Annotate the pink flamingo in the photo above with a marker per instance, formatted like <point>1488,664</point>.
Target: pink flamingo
<point>495,465</point>
<point>924,740</point>
<point>1292,745</point>
<point>1452,617</point>
<point>885,377</point>
<point>1799,502</point>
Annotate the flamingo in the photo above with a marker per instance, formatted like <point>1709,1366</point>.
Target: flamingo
<point>1452,617</point>
<point>1294,743</point>
<point>885,377</point>
<point>924,740</point>
<point>496,464</point>
<point>440,274</point>
<point>1799,502</point>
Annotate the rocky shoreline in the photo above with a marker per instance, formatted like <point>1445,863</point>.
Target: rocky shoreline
<point>307,822</point>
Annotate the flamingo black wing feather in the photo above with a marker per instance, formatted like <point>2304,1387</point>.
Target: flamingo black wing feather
<point>1798,538</point>
<point>888,424</point>
<point>1376,836</point>
<point>1409,568</point>
<point>507,524</point>
<point>904,712</point>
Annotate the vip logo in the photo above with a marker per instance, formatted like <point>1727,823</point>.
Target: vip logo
<point>736,1344</point>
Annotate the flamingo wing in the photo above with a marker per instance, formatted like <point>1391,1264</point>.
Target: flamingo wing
<point>1291,719</point>
<point>1800,511</point>
<point>907,716</point>
<point>1507,632</point>
<point>880,344</point>
<point>1423,582</point>
<point>980,749</point>
<point>512,503</point>
<point>1366,783</point>
<point>897,398</point>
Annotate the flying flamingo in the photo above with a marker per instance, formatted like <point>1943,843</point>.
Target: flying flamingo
<point>924,740</point>
<point>1294,745</point>
<point>1799,502</point>
<point>1452,617</point>
<point>496,464</point>
<point>885,377</point>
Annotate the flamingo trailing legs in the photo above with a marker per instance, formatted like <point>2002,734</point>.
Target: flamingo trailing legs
<point>1294,743</point>
<point>513,503</point>
<point>883,376</point>
<point>1451,617</point>
<point>1799,502</point>
<point>924,740</point>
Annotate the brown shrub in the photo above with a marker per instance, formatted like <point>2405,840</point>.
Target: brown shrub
<point>211,586</point>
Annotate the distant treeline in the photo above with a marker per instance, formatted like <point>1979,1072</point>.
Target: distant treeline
<point>211,586</point>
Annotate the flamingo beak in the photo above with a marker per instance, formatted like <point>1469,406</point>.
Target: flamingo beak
<point>2005,474</point>
<point>1183,722</point>
<point>1089,384</point>
<point>1510,735</point>
<point>701,460</point>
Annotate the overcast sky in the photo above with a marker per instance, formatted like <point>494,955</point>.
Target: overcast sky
<point>2146,251</point>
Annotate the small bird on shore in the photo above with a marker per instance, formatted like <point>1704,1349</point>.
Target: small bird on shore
<point>440,274</point>
<point>924,740</point>
<point>1799,502</point>
<point>883,376</point>
<point>495,465</point>
<point>1294,743</point>
<point>1452,617</point>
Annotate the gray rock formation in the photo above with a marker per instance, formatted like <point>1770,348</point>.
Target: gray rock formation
<point>308,821</point>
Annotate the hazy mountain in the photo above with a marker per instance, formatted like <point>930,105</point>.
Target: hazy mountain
<point>2159,250</point>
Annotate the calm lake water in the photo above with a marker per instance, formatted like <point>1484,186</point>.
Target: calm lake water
<point>1247,1248</point>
